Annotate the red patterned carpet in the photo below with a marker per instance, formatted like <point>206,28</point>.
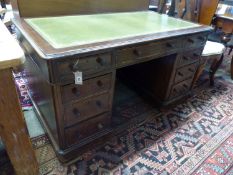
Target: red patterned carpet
<point>195,137</point>
<point>220,161</point>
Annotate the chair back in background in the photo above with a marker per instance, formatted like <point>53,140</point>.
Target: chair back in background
<point>200,11</point>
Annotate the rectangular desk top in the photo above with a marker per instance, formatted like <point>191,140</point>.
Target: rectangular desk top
<point>67,31</point>
<point>11,54</point>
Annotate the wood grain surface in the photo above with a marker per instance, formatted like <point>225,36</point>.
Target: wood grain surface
<point>13,128</point>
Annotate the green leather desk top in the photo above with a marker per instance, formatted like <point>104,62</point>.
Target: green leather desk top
<point>67,31</point>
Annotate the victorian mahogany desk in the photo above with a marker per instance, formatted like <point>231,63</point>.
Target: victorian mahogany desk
<point>102,40</point>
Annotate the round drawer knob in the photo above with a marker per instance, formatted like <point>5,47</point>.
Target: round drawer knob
<point>98,103</point>
<point>76,91</point>
<point>76,112</point>
<point>72,67</point>
<point>100,126</point>
<point>185,86</point>
<point>180,74</point>
<point>79,136</point>
<point>191,70</point>
<point>201,38</point>
<point>169,45</point>
<point>185,58</point>
<point>137,52</point>
<point>191,40</point>
<point>99,60</point>
<point>99,83</point>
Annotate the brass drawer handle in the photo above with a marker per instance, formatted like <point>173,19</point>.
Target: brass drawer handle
<point>137,52</point>
<point>75,91</point>
<point>76,112</point>
<point>100,126</point>
<point>191,40</point>
<point>99,104</point>
<point>99,83</point>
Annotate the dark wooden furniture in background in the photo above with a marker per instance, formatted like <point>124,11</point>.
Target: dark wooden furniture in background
<point>76,116</point>
<point>185,9</point>
<point>224,21</point>
<point>158,6</point>
<point>13,130</point>
<point>207,11</point>
<point>224,18</point>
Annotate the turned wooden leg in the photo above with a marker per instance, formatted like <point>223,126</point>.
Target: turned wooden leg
<point>13,128</point>
<point>214,67</point>
<point>199,71</point>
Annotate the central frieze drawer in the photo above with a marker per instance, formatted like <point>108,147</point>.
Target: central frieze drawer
<point>86,109</point>
<point>88,128</point>
<point>136,54</point>
<point>89,87</point>
<point>185,72</point>
<point>64,70</point>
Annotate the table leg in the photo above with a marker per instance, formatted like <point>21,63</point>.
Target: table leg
<point>13,128</point>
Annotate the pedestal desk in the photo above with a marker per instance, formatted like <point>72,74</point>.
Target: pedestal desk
<point>155,53</point>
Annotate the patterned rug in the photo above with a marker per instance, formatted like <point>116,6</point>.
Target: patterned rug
<point>195,137</point>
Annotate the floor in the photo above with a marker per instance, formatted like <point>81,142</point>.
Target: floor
<point>195,137</point>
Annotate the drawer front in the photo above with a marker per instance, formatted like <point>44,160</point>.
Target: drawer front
<point>87,65</point>
<point>189,57</point>
<point>185,72</point>
<point>136,54</point>
<point>181,89</point>
<point>86,109</point>
<point>88,128</point>
<point>89,87</point>
<point>195,40</point>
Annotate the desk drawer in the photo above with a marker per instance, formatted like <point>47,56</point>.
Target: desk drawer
<point>87,65</point>
<point>86,109</point>
<point>136,54</point>
<point>181,88</point>
<point>185,72</point>
<point>88,128</point>
<point>89,87</point>
<point>195,41</point>
<point>189,57</point>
